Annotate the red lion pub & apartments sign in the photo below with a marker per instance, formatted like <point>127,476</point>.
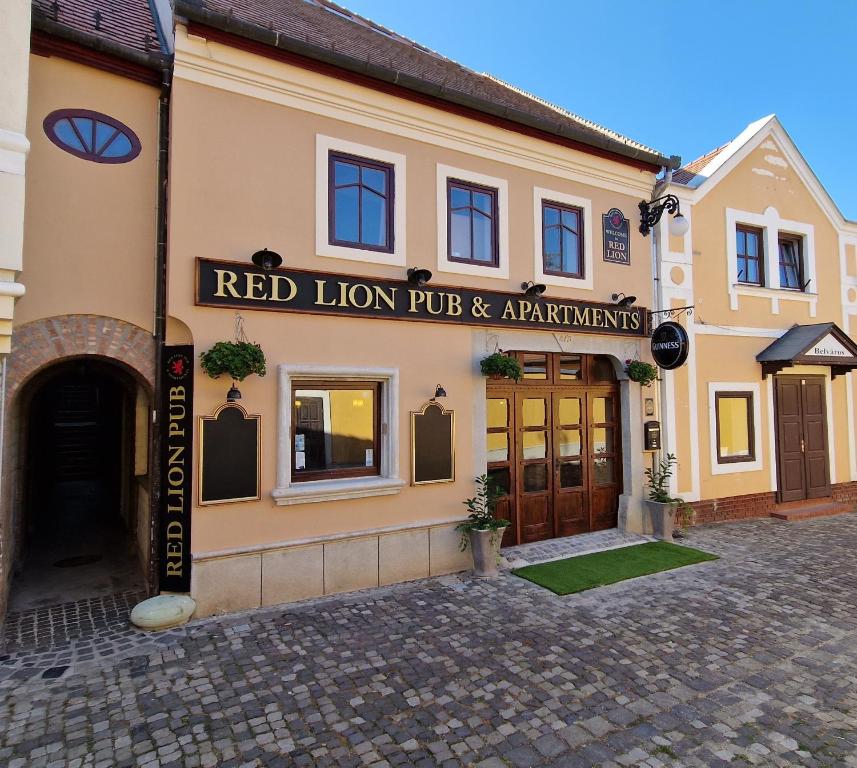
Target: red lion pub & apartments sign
<point>232,285</point>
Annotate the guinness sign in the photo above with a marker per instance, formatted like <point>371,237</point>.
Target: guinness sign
<point>238,286</point>
<point>670,345</point>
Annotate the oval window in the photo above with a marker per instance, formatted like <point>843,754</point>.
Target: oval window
<point>92,136</point>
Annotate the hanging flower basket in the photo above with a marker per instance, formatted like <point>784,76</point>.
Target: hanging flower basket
<point>238,359</point>
<point>500,366</point>
<point>641,372</point>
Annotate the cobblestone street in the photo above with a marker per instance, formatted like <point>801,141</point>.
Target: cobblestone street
<point>751,659</point>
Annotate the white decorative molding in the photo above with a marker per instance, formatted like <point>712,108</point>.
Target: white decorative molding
<point>772,227</point>
<point>13,289</point>
<point>584,283</point>
<point>738,330</point>
<point>14,147</point>
<point>226,68</point>
<point>500,272</point>
<point>385,483</point>
<point>738,466</point>
<point>323,247</point>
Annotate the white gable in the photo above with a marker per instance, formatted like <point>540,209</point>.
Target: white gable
<point>828,346</point>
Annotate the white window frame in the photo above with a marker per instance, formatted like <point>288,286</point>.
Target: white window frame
<point>323,247</point>
<point>385,483</point>
<point>501,271</point>
<point>725,387</point>
<point>585,283</point>
<point>772,227</point>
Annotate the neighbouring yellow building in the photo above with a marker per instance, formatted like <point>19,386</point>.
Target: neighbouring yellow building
<point>761,417</point>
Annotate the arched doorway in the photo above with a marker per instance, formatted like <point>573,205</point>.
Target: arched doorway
<point>83,455</point>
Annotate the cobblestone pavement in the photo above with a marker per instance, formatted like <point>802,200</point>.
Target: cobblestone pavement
<point>751,659</point>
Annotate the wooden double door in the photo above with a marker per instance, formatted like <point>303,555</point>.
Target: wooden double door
<point>803,463</point>
<point>555,452</point>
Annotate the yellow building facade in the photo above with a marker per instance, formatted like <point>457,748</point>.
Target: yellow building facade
<point>761,416</point>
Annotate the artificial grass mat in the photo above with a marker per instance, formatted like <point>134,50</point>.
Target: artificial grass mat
<point>575,574</point>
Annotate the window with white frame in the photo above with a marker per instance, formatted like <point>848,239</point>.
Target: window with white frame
<point>770,257</point>
<point>359,202</point>
<point>472,223</point>
<point>338,433</point>
<point>562,246</point>
<point>735,427</point>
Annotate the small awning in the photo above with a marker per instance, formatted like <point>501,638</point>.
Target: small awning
<point>816,344</point>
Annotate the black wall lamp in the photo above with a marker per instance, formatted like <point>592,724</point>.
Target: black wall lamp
<point>234,394</point>
<point>439,391</point>
<point>418,276</point>
<point>651,212</point>
<point>266,259</point>
<point>622,300</point>
<point>533,290</point>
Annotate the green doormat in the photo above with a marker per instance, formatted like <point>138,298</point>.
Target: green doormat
<point>575,574</point>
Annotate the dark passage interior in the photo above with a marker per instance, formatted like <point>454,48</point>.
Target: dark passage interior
<point>78,495</point>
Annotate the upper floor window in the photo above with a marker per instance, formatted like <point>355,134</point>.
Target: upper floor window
<point>751,263</point>
<point>562,239</point>
<point>361,203</point>
<point>472,223</point>
<point>92,136</point>
<point>791,263</point>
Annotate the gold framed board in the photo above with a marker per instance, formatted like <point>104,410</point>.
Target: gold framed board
<point>230,445</point>
<point>432,444</point>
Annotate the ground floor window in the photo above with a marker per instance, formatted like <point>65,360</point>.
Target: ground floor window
<point>335,429</point>
<point>735,427</point>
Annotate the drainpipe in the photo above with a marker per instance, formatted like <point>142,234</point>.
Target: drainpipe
<point>160,321</point>
<point>656,304</point>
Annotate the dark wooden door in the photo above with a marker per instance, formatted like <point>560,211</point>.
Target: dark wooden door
<point>802,460</point>
<point>501,459</point>
<point>816,460</point>
<point>535,478</point>
<point>604,458</point>
<point>571,468</point>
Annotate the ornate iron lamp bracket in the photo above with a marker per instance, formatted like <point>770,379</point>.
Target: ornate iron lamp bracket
<point>674,312</point>
<point>652,211</point>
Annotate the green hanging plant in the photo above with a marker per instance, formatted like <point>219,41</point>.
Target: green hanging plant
<point>237,359</point>
<point>643,373</point>
<point>500,366</point>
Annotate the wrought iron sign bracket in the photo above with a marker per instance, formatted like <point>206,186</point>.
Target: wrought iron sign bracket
<point>651,211</point>
<point>674,312</point>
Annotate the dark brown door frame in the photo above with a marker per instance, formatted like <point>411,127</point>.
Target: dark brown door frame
<point>814,447</point>
<point>551,389</point>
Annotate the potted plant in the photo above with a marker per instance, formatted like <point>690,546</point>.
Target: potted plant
<point>500,366</point>
<point>482,531</point>
<point>661,507</point>
<point>238,359</point>
<point>641,372</point>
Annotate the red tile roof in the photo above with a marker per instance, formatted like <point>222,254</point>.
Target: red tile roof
<point>323,30</point>
<point>127,23</point>
<point>688,173</point>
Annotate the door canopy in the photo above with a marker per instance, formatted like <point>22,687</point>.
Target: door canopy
<point>816,344</point>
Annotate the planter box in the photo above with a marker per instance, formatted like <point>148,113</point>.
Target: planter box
<point>659,519</point>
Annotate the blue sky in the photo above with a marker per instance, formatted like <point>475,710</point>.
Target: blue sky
<point>681,77</point>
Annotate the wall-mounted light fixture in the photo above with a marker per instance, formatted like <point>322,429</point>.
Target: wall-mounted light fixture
<point>418,277</point>
<point>439,391</point>
<point>266,259</point>
<point>651,212</point>
<point>234,394</point>
<point>622,300</point>
<point>533,290</point>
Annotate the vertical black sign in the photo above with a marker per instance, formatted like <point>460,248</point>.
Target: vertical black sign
<point>176,464</point>
<point>617,243</point>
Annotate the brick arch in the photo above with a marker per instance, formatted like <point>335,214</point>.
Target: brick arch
<point>43,342</point>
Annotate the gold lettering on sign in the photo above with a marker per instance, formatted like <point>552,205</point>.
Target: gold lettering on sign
<point>430,297</point>
<point>581,318</point>
<point>276,281</point>
<point>388,297</point>
<point>226,282</point>
<point>611,318</point>
<point>175,478</point>
<point>363,301</point>
<point>597,316</point>
<point>635,321</point>
<point>537,314</point>
<point>255,282</point>
<point>319,294</point>
<point>453,306</point>
<point>415,299</point>
<point>552,313</point>
<point>509,311</point>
